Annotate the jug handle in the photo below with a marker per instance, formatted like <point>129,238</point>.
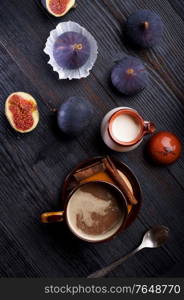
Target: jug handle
<point>149,127</point>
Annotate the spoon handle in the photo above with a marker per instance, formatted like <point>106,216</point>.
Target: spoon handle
<point>115,264</point>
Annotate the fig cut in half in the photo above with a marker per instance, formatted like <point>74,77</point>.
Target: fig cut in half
<point>58,8</point>
<point>22,112</point>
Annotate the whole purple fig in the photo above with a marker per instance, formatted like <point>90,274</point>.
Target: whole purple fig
<point>75,115</point>
<point>144,28</point>
<point>129,76</point>
<point>71,50</point>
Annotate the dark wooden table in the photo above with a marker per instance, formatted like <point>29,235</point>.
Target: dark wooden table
<point>33,166</point>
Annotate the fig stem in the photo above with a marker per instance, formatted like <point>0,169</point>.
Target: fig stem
<point>145,25</point>
<point>130,71</point>
<point>77,46</point>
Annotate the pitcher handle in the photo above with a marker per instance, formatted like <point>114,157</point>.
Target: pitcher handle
<point>149,127</point>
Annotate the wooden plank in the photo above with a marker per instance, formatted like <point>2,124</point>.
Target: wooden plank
<point>177,6</point>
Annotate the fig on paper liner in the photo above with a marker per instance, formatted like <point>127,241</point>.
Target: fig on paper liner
<point>72,50</point>
<point>21,111</point>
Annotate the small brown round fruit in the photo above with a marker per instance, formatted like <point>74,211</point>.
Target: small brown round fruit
<point>22,112</point>
<point>164,147</point>
<point>58,8</point>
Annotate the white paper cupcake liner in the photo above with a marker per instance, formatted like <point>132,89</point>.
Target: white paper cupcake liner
<point>81,72</point>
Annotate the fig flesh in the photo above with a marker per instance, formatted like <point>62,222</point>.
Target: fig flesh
<point>129,76</point>
<point>74,116</point>
<point>22,112</point>
<point>71,50</point>
<point>58,8</point>
<point>144,28</point>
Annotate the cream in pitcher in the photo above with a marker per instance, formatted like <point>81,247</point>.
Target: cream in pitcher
<point>123,129</point>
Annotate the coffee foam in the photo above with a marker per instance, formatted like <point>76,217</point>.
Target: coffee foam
<point>84,203</point>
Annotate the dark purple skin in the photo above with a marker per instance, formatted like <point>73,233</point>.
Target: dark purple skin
<point>129,84</point>
<point>67,55</point>
<point>74,116</point>
<point>44,3</point>
<point>141,36</point>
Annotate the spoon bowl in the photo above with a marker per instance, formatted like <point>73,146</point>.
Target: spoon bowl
<point>155,237</point>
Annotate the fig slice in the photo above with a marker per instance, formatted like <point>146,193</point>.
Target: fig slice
<point>21,111</point>
<point>58,8</point>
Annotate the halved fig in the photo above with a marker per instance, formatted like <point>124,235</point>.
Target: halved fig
<point>58,8</point>
<point>22,112</point>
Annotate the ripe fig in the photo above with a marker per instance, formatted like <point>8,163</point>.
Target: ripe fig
<point>58,8</point>
<point>22,112</point>
<point>144,28</point>
<point>74,116</point>
<point>71,50</point>
<point>129,76</point>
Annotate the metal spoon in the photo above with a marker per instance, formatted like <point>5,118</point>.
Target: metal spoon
<point>153,238</point>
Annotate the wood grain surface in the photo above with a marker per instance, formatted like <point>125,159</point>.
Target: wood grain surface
<point>33,166</point>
